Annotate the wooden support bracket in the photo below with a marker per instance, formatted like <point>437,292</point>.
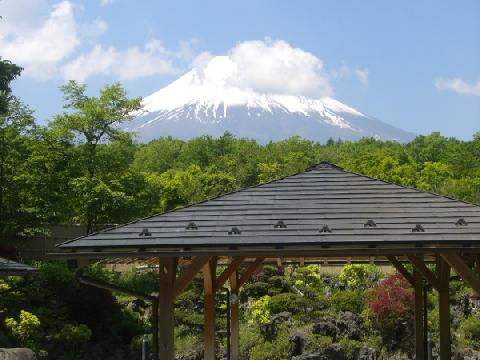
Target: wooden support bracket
<point>195,266</point>
<point>426,272</point>
<point>223,277</point>
<point>467,274</point>
<point>402,270</point>
<point>250,270</point>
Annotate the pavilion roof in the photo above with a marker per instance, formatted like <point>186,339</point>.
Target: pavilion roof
<point>322,210</point>
<point>10,267</point>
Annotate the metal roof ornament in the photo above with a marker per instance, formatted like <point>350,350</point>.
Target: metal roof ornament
<point>325,229</point>
<point>418,228</point>
<point>280,225</point>
<point>191,226</point>
<point>370,224</point>
<point>145,232</point>
<point>461,222</point>
<point>234,231</point>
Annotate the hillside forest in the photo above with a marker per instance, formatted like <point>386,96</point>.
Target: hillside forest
<point>81,168</point>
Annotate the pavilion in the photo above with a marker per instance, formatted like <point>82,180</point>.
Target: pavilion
<point>323,215</point>
<point>12,268</point>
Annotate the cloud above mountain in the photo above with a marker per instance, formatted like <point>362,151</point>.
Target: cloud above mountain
<point>268,66</point>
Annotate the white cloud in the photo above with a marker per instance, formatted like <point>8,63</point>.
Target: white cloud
<point>132,63</point>
<point>459,86</point>
<point>267,66</point>
<point>345,72</point>
<point>94,29</point>
<point>39,48</point>
<point>106,2</point>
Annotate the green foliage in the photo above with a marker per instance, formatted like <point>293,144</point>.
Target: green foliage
<point>259,311</point>
<point>277,349</point>
<point>75,334</point>
<point>470,331</point>
<point>358,276</point>
<point>347,300</point>
<point>25,329</point>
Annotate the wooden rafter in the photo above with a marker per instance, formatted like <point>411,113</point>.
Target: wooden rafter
<point>402,270</point>
<point>223,277</point>
<point>461,267</point>
<point>425,271</point>
<point>195,266</point>
<point>250,270</point>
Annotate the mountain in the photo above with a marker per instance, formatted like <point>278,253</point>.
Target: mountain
<point>200,103</point>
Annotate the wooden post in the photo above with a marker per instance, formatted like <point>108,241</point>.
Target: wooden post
<point>209,278</point>
<point>234,317</point>
<point>443,269</point>
<point>166,302</point>
<point>419,326</point>
<point>155,329</point>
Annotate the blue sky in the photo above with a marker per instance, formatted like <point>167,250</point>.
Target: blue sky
<point>413,64</point>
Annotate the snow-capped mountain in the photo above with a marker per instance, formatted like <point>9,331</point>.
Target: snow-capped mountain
<point>208,101</point>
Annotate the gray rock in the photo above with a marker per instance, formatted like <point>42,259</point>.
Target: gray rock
<point>297,343</point>
<point>17,354</point>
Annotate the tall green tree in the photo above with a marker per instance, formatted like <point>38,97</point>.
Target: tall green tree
<point>8,72</point>
<point>92,121</point>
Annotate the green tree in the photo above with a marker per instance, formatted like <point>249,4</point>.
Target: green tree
<point>8,72</point>
<point>93,121</point>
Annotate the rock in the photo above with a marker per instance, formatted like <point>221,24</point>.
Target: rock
<point>367,353</point>
<point>17,354</point>
<point>467,354</point>
<point>348,325</point>
<point>326,327</point>
<point>270,329</point>
<point>314,356</point>
<point>297,343</point>
<point>334,352</point>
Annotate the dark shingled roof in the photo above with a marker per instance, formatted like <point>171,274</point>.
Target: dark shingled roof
<point>10,267</point>
<point>323,207</point>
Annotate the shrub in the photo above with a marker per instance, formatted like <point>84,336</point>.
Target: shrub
<point>25,329</point>
<point>470,331</point>
<point>75,334</point>
<point>259,312</point>
<point>290,302</point>
<point>347,301</point>
<point>359,276</point>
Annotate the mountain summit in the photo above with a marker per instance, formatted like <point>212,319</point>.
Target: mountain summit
<point>212,100</point>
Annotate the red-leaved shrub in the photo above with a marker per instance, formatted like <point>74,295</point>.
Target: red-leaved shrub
<point>393,297</point>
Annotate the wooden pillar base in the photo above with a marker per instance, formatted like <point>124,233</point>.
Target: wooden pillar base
<point>209,278</point>
<point>234,317</point>
<point>166,302</point>
<point>419,330</point>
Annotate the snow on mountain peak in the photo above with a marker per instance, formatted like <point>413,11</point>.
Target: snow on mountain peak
<point>219,83</point>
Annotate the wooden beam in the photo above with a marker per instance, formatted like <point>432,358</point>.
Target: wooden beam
<point>250,270</point>
<point>467,274</point>
<point>166,303</point>
<point>426,272</point>
<point>419,331</point>
<point>195,266</point>
<point>443,270</point>
<point>222,279</point>
<point>209,274</point>
<point>402,270</point>
<point>234,317</point>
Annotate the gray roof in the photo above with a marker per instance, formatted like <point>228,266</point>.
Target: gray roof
<point>10,267</point>
<point>353,210</point>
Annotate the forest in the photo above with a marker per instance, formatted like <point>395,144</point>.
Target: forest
<point>81,168</point>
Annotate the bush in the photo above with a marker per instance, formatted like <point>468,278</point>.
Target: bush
<point>25,329</point>
<point>347,301</point>
<point>359,276</point>
<point>470,331</point>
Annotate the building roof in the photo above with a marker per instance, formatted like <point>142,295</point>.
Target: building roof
<point>10,267</point>
<point>320,211</point>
